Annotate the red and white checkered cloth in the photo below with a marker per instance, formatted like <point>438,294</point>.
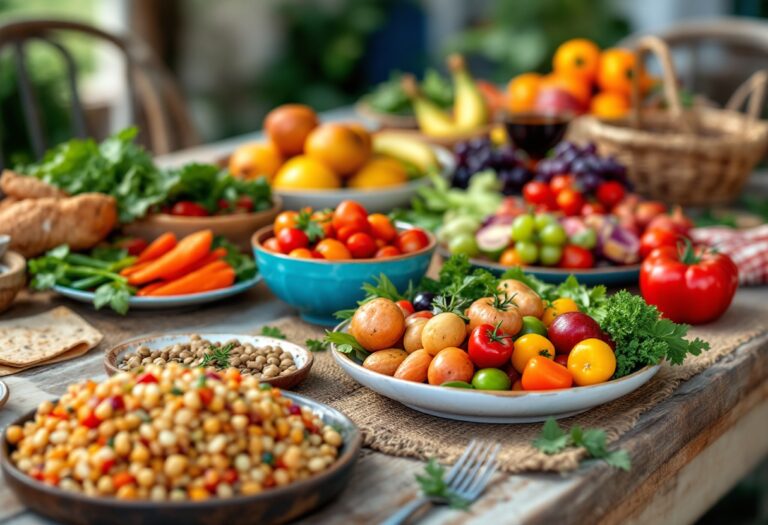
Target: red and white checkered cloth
<point>748,249</point>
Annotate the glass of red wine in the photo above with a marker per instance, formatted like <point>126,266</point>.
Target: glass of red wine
<point>536,133</point>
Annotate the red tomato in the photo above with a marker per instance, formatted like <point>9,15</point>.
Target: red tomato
<point>537,192</point>
<point>406,306</point>
<point>271,245</point>
<point>382,227</point>
<point>576,257</point>
<point>656,238</point>
<point>570,201</point>
<point>610,193</point>
<point>292,238</point>
<point>688,287</point>
<point>350,214</point>
<point>412,240</point>
<point>244,203</point>
<point>387,251</point>
<point>560,182</point>
<point>544,374</point>
<point>561,359</point>
<point>488,347</point>
<point>426,314</point>
<point>133,245</point>
<point>592,208</point>
<point>188,209</point>
<point>361,245</point>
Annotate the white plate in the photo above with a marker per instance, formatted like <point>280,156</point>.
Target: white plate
<point>375,200</point>
<point>488,406</point>
<point>171,301</point>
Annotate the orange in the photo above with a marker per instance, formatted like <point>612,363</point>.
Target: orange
<point>302,173</point>
<point>379,172</point>
<point>289,125</point>
<point>338,147</point>
<point>577,87</point>
<point>332,250</point>
<point>617,67</point>
<point>577,57</point>
<point>609,105</point>
<point>363,133</point>
<point>522,91</point>
<point>253,160</point>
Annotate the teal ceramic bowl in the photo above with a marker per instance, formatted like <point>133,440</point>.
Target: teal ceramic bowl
<point>318,288</point>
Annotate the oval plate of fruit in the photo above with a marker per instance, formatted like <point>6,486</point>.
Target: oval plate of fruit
<point>512,349</point>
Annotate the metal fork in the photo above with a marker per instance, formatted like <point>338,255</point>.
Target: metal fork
<point>467,479</point>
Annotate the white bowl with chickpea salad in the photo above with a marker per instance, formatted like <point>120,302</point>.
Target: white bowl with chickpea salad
<point>173,444</point>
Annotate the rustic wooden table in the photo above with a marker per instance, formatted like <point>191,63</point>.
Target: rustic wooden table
<point>686,452</point>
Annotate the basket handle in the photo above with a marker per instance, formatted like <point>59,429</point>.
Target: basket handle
<point>753,92</point>
<point>659,48</point>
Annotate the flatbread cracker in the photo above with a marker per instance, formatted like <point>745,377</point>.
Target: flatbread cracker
<point>77,351</point>
<point>39,338</point>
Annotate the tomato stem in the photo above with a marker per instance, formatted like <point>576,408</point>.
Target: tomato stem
<point>687,252</point>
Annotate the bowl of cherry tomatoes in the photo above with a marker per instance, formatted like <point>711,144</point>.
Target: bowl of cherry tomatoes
<point>318,261</point>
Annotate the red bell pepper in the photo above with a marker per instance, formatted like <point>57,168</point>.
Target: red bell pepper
<point>688,285</point>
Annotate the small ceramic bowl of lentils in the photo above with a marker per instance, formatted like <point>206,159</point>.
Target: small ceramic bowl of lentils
<point>268,359</point>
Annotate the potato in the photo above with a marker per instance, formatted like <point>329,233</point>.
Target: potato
<point>385,361</point>
<point>528,302</point>
<point>378,324</point>
<point>483,311</point>
<point>412,337</point>
<point>414,367</point>
<point>450,364</point>
<point>443,330</point>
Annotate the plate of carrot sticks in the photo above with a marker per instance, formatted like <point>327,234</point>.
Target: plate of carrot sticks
<point>166,273</point>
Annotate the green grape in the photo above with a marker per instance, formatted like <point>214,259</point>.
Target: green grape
<point>523,228</point>
<point>550,255</point>
<point>458,226</point>
<point>463,244</point>
<point>553,235</point>
<point>586,238</point>
<point>544,219</point>
<point>527,251</point>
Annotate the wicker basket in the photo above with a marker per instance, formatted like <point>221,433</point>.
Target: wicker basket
<point>695,157</point>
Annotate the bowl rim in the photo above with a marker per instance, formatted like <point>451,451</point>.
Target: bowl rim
<point>266,232</point>
<point>350,451</point>
<point>111,355</point>
<point>179,220</point>
<point>498,393</point>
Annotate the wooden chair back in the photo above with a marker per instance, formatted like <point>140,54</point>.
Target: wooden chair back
<point>154,100</point>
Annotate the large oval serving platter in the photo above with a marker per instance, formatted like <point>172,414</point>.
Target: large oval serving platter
<point>167,302</point>
<point>276,505</point>
<point>489,406</point>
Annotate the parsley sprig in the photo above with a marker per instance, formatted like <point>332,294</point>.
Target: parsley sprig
<point>381,287</point>
<point>217,356</point>
<point>433,485</point>
<point>273,331</point>
<point>316,345</point>
<point>553,439</point>
<point>310,226</point>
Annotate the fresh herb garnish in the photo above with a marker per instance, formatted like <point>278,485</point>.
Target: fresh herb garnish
<point>553,439</point>
<point>116,294</point>
<point>310,226</point>
<point>316,345</point>
<point>244,265</point>
<point>217,356</point>
<point>432,483</point>
<point>381,287</point>
<point>346,344</point>
<point>272,331</point>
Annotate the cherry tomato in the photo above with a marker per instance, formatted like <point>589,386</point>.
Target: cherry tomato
<point>544,374</point>
<point>286,219</point>
<point>510,257</point>
<point>412,240</point>
<point>300,253</point>
<point>292,238</point>
<point>188,209</point>
<point>350,214</point>
<point>656,238</point>
<point>488,347</point>
<point>317,255</point>
<point>333,250</point>
<point>387,251</point>
<point>576,257</point>
<point>133,245</point>
<point>244,203</point>
<point>382,227</point>
<point>361,245</point>
<point>323,218</point>
<point>406,306</point>
<point>610,193</point>
<point>528,346</point>
<point>560,182</point>
<point>591,361</point>
<point>537,192</point>
<point>592,208</point>
<point>558,306</point>
<point>271,245</point>
<point>426,314</point>
<point>569,201</point>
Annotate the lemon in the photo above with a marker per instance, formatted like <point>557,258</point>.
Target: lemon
<point>379,172</point>
<point>305,173</point>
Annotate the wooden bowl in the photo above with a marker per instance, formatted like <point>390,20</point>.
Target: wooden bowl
<point>13,277</point>
<point>301,356</point>
<point>237,227</point>
<point>274,505</point>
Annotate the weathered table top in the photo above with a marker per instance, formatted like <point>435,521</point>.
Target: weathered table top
<point>686,452</point>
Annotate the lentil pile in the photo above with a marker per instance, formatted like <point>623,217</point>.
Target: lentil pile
<point>173,433</point>
<point>264,362</point>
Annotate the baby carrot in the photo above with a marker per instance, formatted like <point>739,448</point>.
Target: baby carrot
<point>198,281</point>
<point>148,289</point>
<point>160,246</point>
<point>130,270</point>
<point>215,255</point>
<point>190,249</point>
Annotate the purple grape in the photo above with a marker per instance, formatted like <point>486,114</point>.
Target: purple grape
<point>589,181</point>
<point>513,180</point>
<point>479,143</point>
<point>579,167</point>
<point>563,148</point>
<point>461,148</point>
<point>461,177</point>
<point>590,148</point>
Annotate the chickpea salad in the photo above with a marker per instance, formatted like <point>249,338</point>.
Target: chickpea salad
<point>262,362</point>
<point>173,434</point>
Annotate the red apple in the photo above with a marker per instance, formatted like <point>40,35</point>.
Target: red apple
<point>571,328</point>
<point>554,100</point>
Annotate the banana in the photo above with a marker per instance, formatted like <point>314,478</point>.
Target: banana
<point>432,120</point>
<point>470,110</point>
<point>405,148</point>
